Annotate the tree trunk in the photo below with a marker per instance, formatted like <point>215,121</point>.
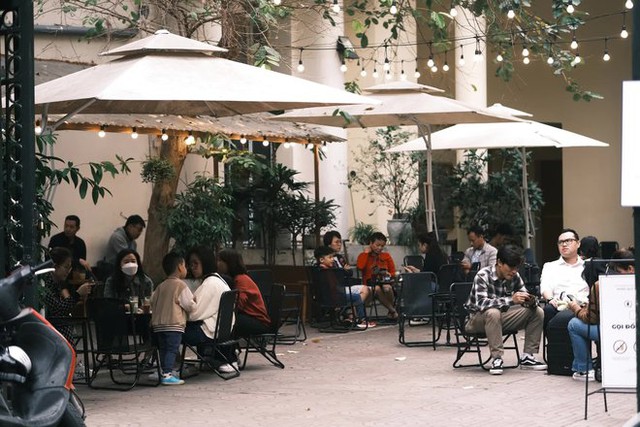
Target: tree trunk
<point>156,242</point>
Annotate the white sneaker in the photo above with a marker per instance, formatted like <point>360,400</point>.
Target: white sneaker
<point>496,366</point>
<point>228,368</point>
<point>585,376</point>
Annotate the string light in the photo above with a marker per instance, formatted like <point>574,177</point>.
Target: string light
<point>430,61</point>
<point>363,72</point>
<point>101,132</point>
<point>628,4</point>
<point>38,128</point>
<point>134,133</point>
<point>375,73</point>
<point>287,145</point>
<point>624,33</point>
<point>190,139</point>
<point>550,59</point>
<point>277,2</point>
<point>453,11</point>
<point>416,74</point>
<point>300,67</point>
<point>526,60</point>
<point>336,6</point>
<point>525,51</point>
<point>343,66</point>
<point>477,54</point>
<point>445,66</point>
<point>310,146</point>
<point>388,75</point>
<point>393,9</point>
<point>243,140</point>
<point>434,69</point>
<point>499,58</point>
<point>511,14</point>
<point>325,147</point>
<point>574,41</point>
<point>461,62</point>
<point>265,143</point>
<point>606,57</point>
<point>403,76</point>
<point>570,7</point>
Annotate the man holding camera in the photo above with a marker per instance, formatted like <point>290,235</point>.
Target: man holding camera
<point>499,301</point>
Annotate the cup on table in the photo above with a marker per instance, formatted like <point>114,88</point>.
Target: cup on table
<point>146,305</point>
<point>133,303</point>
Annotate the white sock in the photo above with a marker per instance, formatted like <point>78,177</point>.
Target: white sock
<point>524,355</point>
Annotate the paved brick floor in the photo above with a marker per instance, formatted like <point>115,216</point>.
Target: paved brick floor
<point>359,379</point>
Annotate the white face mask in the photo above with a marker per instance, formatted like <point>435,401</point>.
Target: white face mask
<point>130,268</point>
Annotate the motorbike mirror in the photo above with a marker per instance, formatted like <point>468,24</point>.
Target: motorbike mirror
<point>44,271</point>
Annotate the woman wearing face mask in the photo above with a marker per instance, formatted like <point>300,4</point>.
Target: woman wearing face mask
<point>128,278</point>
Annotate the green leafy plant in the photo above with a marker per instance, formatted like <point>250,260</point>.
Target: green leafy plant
<point>157,169</point>
<point>202,214</point>
<point>392,178</point>
<point>499,198</point>
<point>361,232</point>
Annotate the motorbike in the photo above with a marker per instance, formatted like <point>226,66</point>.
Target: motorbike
<point>36,362</point>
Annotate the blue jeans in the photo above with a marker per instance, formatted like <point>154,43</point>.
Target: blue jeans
<point>581,335</point>
<point>354,298</point>
<point>168,346</point>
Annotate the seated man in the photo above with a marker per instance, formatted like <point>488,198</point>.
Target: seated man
<point>373,263</point>
<point>124,238</point>
<point>480,252</point>
<point>69,239</point>
<point>580,332</point>
<point>499,301</point>
<point>563,278</point>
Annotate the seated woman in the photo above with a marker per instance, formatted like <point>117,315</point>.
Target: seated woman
<point>584,328</point>
<point>252,317</point>
<point>60,297</point>
<point>208,288</point>
<point>434,257</point>
<point>128,278</point>
<point>374,265</point>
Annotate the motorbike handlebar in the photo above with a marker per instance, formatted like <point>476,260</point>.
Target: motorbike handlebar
<point>11,288</point>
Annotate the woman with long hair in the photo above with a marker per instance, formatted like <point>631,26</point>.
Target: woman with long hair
<point>252,317</point>
<point>128,278</point>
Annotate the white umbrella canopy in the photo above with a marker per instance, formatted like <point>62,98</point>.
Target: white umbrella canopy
<point>402,104</point>
<point>169,74</point>
<point>521,134</point>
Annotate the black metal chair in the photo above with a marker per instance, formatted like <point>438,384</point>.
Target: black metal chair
<point>330,289</point>
<point>416,302</point>
<point>266,343</point>
<point>416,261</point>
<point>472,342</point>
<point>223,337</point>
<point>607,248</point>
<point>118,346</point>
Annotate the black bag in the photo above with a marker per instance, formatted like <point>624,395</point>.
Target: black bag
<point>559,350</point>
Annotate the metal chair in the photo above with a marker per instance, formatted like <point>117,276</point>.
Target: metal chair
<point>416,302</point>
<point>223,337</point>
<point>118,346</point>
<point>416,261</point>
<point>266,343</point>
<point>472,342</point>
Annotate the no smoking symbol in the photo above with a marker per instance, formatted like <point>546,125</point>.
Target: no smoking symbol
<point>619,346</point>
<point>628,304</point>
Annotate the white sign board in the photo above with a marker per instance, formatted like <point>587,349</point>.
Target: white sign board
<point>618,330</point>
<point>630,186</point>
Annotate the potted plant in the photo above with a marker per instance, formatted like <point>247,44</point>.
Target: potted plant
<point>391,178</point>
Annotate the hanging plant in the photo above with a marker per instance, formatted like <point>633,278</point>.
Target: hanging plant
<point>157,169</point>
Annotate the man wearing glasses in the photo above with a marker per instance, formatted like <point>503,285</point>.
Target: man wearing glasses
<point>561,280</point>
<point>499,301</point>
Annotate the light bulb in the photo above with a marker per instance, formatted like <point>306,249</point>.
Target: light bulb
<point>624,33</point>
<point>628,4</point>
<point>461,62</point>
<point>393,9</point>
<point>265,143</point>
<point>499,58</point>
<point>430,62</point>
<point>550,60</point>
<point>403,76</point>
<point>101,132</point>
<point>388,75</point>
<point>511,14</point>
<point>343,67</point>
<point>324,148</point>
<point>134,134</point>
<point>525,51</point>
<point>445,67</point>
<point>38,129</point>
<point>386,66</point>
<point>277,2</point>
<point>243,140</point>
<point>574,44</point>
<point>570,8</point>
<point>300,67</point>
<point>526,60</point>
<point>164,136</point>
<point>363,72</point>
<point>190,140</point>
<point>336,6</point>
<point>310,146</point>
<point>606,57</point>
<point>287,144</point>
<point>453,12</point>
<point>417,74</point>
<point>477,57</point>
<point>375,74</point>
<point>434,69</point>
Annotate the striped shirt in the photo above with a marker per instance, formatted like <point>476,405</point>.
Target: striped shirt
<point>488,291</point>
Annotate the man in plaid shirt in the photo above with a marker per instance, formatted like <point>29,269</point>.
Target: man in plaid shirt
<point>499,301</point>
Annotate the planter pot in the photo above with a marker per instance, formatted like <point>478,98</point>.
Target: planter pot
<point>395,229</point>
<point>283,240</point>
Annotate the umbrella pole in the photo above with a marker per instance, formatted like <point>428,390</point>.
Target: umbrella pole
<point>525,199</point>
<point>425,132</point>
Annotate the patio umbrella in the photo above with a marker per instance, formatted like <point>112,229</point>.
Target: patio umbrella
<point>169,74</point>
<point>402,104</point>
<point>521,134</point>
